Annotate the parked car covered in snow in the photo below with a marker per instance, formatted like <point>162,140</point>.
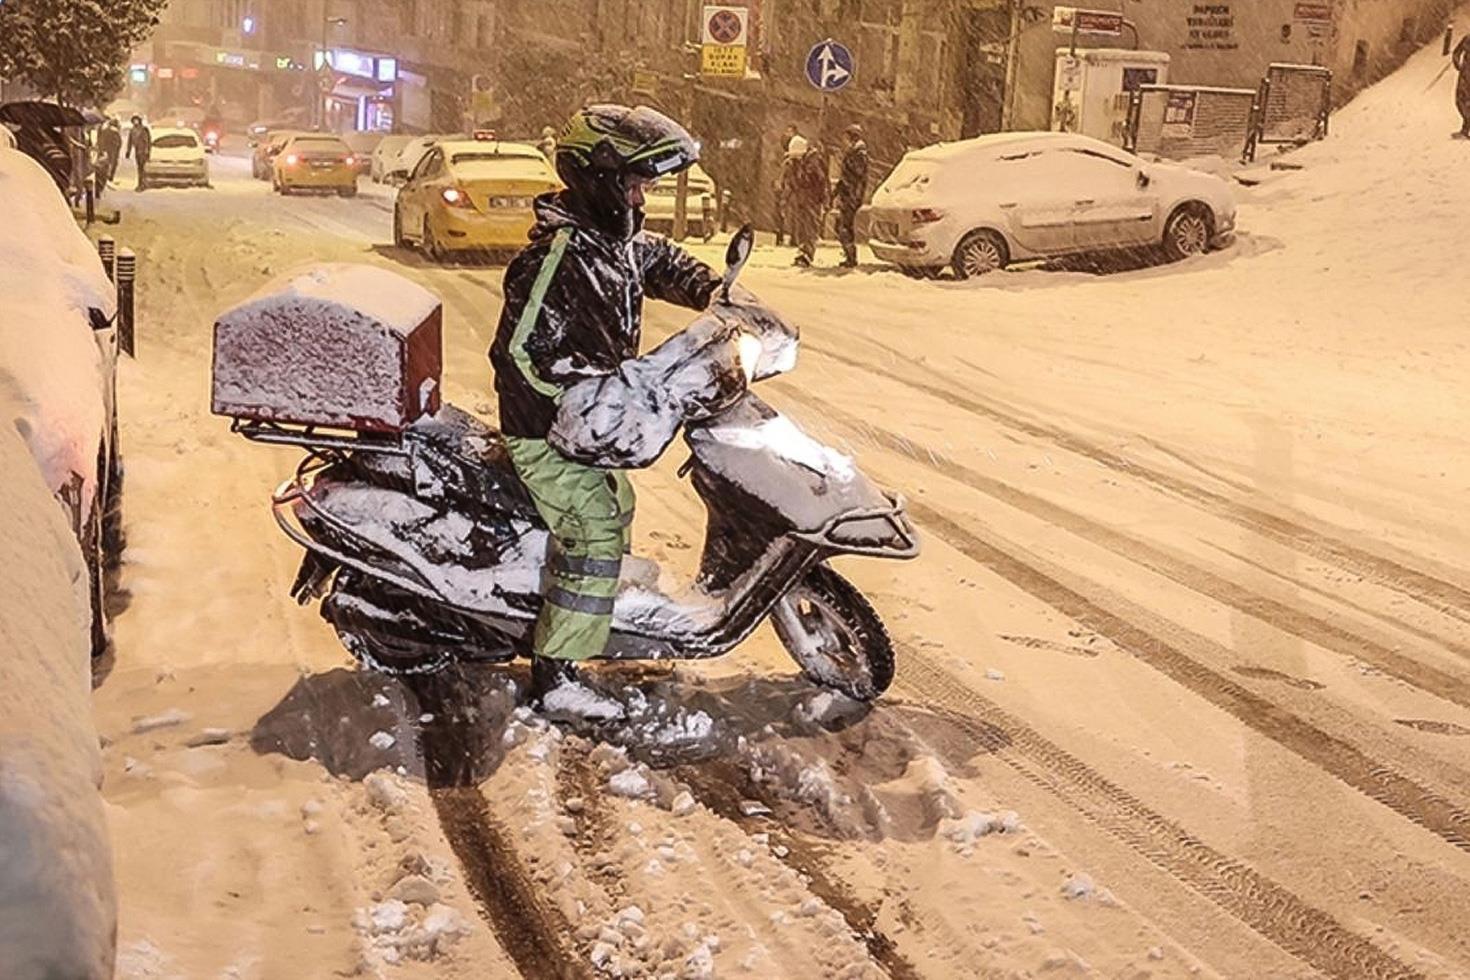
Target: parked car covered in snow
<point>178,157</point>
<point>385,156</point>
<point>263,156</point>
<point>980,204</point>
<point>58,353</point>
<point>413,152</point>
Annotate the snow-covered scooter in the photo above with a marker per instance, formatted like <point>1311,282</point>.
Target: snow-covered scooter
<point>425,549</point>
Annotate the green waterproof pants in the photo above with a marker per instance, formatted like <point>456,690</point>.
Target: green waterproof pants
<point>590,514</point>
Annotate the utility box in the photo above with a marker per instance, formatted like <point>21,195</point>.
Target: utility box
<point>1093,89</point>
<point>337,345</point>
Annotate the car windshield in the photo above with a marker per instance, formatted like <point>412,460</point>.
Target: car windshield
<point>500,166</point>
<point>910,174</point>
<point>175,141</point>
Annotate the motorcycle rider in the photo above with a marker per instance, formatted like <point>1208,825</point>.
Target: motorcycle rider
<point>573,310</point>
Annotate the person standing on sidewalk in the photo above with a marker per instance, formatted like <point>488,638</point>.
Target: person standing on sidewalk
<point>140,148</point>
<point>806,200</point>
<point>783,207</point>
<point>852,188</point>
<point>1461,61</point>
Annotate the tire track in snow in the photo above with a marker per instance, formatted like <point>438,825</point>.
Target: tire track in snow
<point>718,786</point>
<point>1310,624</point>
<point>1437,593</point>
<point>1267,907</point>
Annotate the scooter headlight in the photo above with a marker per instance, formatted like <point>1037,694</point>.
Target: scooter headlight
<point>750,355</point>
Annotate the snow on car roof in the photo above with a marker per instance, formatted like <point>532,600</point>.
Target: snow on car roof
<point>490,147</point>
<point>997,144</point>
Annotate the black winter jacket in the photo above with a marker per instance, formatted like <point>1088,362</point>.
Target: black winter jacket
<point>590,318</point>
<point>852,184</point>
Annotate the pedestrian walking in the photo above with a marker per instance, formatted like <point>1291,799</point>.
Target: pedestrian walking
<point>109,150</point>
<point>140,148</point>
<point>782,217</point>
<point>806,198</point>
<point>1461,61</point>
<point>852,189</point>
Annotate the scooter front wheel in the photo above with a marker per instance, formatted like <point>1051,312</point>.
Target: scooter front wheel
<point>835,636</point>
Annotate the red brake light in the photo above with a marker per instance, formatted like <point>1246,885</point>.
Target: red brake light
<point>924,216</point>
<point>291,159</point>
<point>349,161</point>
<point>456,198</point>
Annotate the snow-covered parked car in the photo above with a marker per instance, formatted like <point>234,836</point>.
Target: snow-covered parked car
<point>58,353</point>
<point>178,157</point>
<point>385,156</point>
<point>978,205</point>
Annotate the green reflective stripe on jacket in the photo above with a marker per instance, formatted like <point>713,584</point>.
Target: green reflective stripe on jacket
<point>533,310</point>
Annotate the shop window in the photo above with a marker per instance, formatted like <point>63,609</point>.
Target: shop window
<point>1360,58</point>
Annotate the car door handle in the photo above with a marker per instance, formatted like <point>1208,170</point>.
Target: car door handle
<point>1085,202</point>
<point>1008,205</point>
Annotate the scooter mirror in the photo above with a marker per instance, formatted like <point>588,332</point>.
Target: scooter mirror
<point>735,258</point>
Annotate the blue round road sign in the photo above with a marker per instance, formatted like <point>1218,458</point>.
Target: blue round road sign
<point>829,66</point>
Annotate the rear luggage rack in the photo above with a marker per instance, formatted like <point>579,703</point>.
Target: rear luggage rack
<point>319,437</point>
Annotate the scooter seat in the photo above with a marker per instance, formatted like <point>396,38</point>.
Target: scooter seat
<point>468,466</point>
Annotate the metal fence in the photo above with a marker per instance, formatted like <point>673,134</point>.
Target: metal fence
<point>1183,121</point>
<point>1292,105</point>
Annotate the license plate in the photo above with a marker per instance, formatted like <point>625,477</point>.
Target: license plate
<point>509,203</point>
<point>323,165</point>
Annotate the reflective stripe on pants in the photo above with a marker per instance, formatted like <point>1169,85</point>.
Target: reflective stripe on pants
<point>590,514</point>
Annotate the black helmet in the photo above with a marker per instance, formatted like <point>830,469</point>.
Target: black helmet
<point>602,146</point>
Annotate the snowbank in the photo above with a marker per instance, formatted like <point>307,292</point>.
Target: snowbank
<point>57,909</point>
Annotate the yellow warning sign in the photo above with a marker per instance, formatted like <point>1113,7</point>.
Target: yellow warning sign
<point>723,59</point>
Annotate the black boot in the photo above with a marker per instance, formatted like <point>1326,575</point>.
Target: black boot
<point>547,674</point>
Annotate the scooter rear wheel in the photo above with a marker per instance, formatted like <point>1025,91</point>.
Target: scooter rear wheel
<point>835,636</point>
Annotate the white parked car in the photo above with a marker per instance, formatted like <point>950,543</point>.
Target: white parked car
<point>178,158</point>
<point>58,354</point>
<point>699,204</point>
<point>414,151</point>
<point>385,156</point>
<point>980,204</point>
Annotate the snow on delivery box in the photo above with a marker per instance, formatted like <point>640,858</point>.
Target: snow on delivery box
<point>334,345</point>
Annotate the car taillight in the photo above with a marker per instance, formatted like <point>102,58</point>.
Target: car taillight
<point>292,159</point>
<point>456,198</point>
<point>349,161</point>
<point>925,216</point>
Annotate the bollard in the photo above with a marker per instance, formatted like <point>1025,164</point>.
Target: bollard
<point>90,199</point>
<point>1449,39</point>
<point>107,251</point>
<point>127,272</point>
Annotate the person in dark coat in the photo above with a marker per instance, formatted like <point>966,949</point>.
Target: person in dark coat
<point>806,197</point>
<point>140,148</point>
<point>852,189</point>
<point>1461,62</point>
<point>573,310</point>
<point>109,150</point>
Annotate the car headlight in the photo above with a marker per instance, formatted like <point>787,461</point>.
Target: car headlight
<point>750,355</point>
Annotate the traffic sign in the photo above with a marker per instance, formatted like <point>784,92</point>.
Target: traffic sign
<point>829,66</point>
<point>1067,20</point>
<point>726,30</point>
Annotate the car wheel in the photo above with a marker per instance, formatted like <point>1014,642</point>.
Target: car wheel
<point>430,245</point>
<point>1187,232</point>
<point>920,271</point>
<point>980,252</point>
<point>348,192</point>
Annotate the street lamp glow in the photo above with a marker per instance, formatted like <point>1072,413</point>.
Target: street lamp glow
<point>248,25</point>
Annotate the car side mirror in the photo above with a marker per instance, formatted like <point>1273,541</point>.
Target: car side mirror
<point>1144,178</point>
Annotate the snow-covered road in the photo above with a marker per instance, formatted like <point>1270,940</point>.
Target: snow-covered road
<point>1194,609</point>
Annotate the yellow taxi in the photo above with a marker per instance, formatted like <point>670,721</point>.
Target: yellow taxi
<point>471,195</point>
<point>315,161</point>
